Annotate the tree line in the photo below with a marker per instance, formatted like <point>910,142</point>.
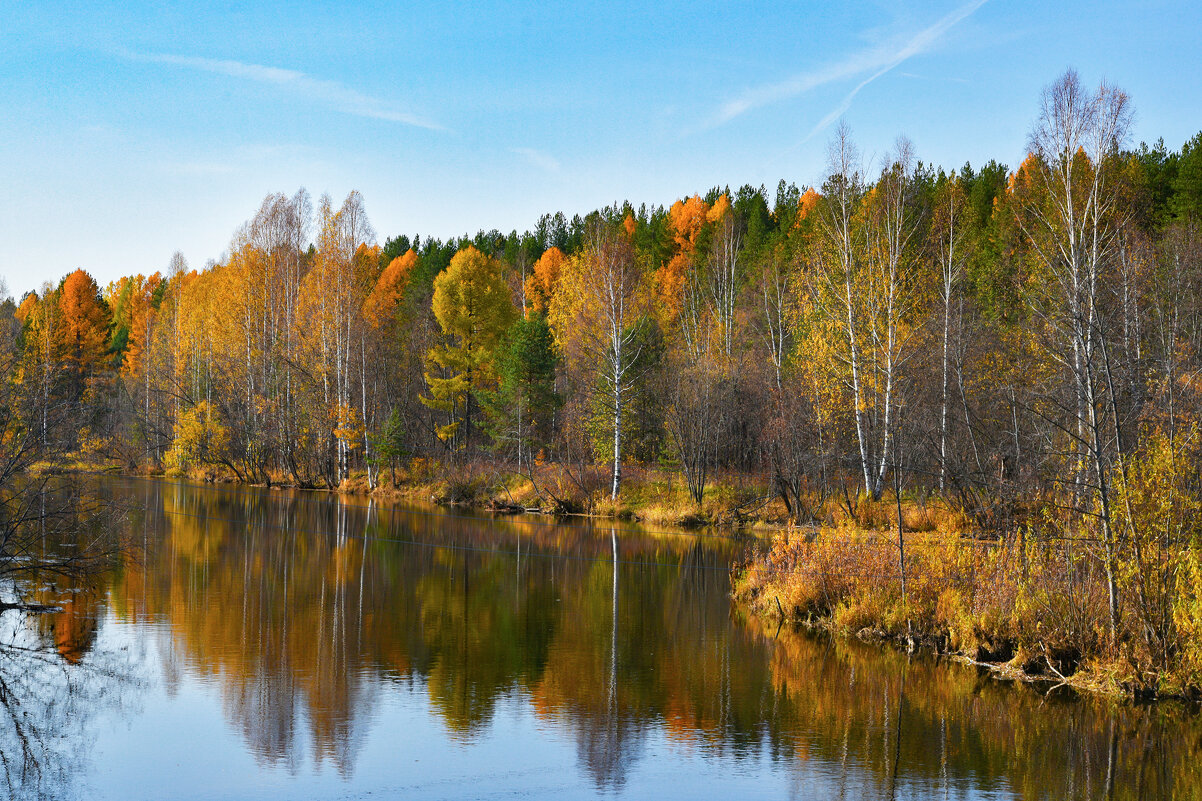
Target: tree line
<point>990,335</point>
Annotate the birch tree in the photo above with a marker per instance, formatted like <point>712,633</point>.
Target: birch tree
<point>598,315</point>
<point>724,272</point>
<point>1070,211</point>
<point>948,235</point>
<point>865,292</point>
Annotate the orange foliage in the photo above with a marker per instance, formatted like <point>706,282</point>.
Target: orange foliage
<point>76,626</point>
<point>366,262</point>
<point>807,203</point>
<point>630,225</point>
<point>26,308</point>
<point>85,323</point>
<point>141,321</point>
<point>669,282</point>
<point>1025,172</point>
<point>542,282</point>
<point>390,287</point>
<point>687,217</point>
<point>719,209</point>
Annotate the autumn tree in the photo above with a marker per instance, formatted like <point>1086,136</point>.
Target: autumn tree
<point>698,404</point>
<point>84,322</point>
<point>686,219</point>
<point>202,439</point>
<point>43,338</point>
<point>775,310</point>
<point>332,296</point>
<point>474,309</point>
<point>599,316</point>
<point>133,301</point>
<point>866,294</point>
<point>543,279</point>
<point>1069,205</point>
<point>949,229</point>
<point>279,234</point>
<point>725,273</point>
<point>390,288</point>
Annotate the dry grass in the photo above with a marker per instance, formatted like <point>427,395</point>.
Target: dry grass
<point>1040,606</point>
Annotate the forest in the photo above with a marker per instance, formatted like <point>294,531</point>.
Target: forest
<point>983,382</point>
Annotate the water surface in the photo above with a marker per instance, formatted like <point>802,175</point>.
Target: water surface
<point>274,645</point>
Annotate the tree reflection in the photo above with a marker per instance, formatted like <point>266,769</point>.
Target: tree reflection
<point>609,740</point>
<point>58,547</point>
<point>308,611</point>
<point>899,725</point>
<point>52,685</point>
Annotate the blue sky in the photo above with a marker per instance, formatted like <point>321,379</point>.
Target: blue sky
<point>131,130</point>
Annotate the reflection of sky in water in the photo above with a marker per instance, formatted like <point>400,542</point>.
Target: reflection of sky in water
<point>264,649</point>
<point>51,697</point>
<point>182,745</point>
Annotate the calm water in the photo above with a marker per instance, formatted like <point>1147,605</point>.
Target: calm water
<point>277,645</point>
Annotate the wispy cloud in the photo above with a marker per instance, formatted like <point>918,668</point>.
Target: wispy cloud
<point>876,62</point>
<point>798,84</point>
<point>538,158</point>
<point>920,43</point>
<point>333,94</point>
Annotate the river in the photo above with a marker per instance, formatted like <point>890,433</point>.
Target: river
<point>281,645</point>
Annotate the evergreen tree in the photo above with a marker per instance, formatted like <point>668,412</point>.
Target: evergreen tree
<point>522,407</point>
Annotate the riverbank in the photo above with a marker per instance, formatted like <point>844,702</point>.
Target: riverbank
<point>650,494</point>
<point>1029,610</point>
<point>410,624</point>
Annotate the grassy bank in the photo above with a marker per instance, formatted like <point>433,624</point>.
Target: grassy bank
<point>1033,601</point>
<point>1032,608</point>
<point>650,494</point>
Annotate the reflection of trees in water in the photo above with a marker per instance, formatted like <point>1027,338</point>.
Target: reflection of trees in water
<point>305,622</point>
<point>884,724</point>
<point>608,747</point>
<point>51,687</point>
<point>51,531</point>
<point>301,617</point>
<point>55,545</point>
<point>278,618</point>
<point>609,743</point>
<point>72,630</point>
<point>265,706</point>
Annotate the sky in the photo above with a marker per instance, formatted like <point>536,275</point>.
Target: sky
<point>131,130</point>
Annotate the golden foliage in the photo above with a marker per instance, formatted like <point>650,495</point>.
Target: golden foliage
<point>200,439</point>
<point>719,210</point>
<point>686,217</point>
<point>473,307</point>
<point>348,425</point>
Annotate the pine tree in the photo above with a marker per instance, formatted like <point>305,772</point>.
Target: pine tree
<point>522,407</point>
